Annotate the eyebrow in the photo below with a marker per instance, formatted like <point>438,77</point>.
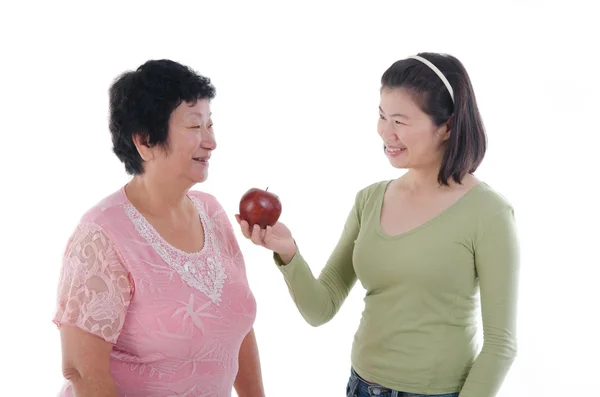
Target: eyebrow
<point>395,114</point>
<point>199,114</point>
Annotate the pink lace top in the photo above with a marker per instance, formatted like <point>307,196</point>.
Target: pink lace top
<point>176,319</point>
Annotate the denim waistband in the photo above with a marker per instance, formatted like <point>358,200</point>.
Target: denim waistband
<point>359,387</point>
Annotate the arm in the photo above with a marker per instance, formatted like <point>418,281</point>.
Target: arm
<point>86,361</point>
<point>497,264</point>
<point>248,382</point>
<point>319,299</point>
<point>94,293</point>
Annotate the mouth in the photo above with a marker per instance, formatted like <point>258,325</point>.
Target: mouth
<point>202,160</point>
<point>395,150</point>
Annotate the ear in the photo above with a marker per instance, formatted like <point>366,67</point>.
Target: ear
<point>447,134</point>
<point>446,129</point>
<point>143,148</point>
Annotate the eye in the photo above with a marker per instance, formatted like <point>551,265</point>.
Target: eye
<point>399,123</point>
<point>381,117</point>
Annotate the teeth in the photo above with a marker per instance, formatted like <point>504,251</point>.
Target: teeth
<point>395,149</point>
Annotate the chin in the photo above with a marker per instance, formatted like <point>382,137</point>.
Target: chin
<point>401,165</point>
<point>199,178</point>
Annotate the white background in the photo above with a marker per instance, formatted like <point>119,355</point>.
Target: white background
<point>296,110</point>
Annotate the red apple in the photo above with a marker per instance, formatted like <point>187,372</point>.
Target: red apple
<point>260,207</point>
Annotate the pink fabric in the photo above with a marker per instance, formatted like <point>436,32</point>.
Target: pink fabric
<point>176,320</point>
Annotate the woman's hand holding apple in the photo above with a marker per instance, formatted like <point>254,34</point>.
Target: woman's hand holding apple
<point>259,212</point>
<point>277,238</point>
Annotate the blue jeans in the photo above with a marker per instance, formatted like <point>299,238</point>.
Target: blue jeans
<point>358,387</point>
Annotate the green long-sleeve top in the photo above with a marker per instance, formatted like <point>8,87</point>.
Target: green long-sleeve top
<point>424,289</point>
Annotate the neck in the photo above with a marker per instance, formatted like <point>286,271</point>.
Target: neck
<point>421,179</point>
<point>156,197</point>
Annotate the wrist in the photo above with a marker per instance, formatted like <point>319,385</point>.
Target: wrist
<point>287,254</point>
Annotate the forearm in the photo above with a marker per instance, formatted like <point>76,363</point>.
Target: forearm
<point>86,363</point>
<point>317,299</point>
<point>248,382</point>
<point>489,370</point>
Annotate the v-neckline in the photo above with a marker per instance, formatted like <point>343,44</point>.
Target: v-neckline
<point>425,224</point>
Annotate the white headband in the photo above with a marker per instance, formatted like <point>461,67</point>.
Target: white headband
<point>438,72</point>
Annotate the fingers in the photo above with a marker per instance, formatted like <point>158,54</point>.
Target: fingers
<point>254,234</point>
<point>257,235</point>
<point>267,233</point>
<point>244,226</point>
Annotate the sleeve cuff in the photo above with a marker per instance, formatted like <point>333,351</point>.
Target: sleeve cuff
<point>289,270</point>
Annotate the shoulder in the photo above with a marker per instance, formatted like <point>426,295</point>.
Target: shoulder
<point>108,223</point>
<point>373,189</point>
<point>486,208</point>
<point>207,203</point>
<point>487,201</point>
<point>106,209</point>
<point>202,196</point>
<point>366,198</point>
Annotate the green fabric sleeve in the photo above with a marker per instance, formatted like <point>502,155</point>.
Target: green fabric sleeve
<point>319,299</point>
<point>497,264</point>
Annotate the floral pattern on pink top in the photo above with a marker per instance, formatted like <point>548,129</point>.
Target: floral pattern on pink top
<point>176,319</point>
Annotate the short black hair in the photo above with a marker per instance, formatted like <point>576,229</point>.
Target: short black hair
<point>141,102</point>
<point>468,142</point>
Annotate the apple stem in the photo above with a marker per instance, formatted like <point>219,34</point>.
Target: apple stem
<point>267,189</point>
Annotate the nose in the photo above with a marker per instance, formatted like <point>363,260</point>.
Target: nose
<point>387,132</point>
<point>208,140</point>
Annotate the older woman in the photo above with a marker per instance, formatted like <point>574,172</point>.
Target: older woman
<point>153,297</point>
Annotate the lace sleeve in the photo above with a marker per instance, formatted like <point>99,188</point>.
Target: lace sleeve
<point>95,288</point>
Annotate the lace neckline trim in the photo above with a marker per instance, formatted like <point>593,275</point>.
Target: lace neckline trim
<point>201,270</point>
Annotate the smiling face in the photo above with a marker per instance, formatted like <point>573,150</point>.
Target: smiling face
<point>410,137</point>
<point>189,145</point>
